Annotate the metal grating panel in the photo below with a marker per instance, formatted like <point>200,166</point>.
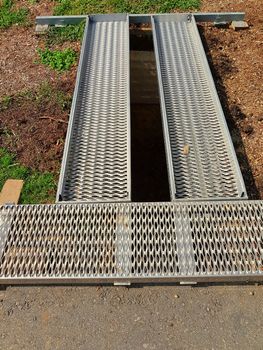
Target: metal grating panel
<point>96,162</point>
<point>201,159</point>
<point>131,242</point>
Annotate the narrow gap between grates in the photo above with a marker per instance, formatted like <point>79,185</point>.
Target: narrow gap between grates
<point>149,178</point>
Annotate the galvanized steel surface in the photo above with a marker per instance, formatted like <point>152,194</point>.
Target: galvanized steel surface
<point>108,242</point>
<point>97,161</point>
<point>200,155</point>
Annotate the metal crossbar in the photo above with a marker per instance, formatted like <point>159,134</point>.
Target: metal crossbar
<point>171,242</point>
<point>220,17</point>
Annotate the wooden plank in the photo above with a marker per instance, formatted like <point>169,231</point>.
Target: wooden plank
<point>11,192</point>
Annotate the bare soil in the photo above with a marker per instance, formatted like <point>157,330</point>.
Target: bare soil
<point>35,132</point>
<point>119,318</point>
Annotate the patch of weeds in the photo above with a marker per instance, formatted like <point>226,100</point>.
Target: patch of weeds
<point>38,187</point>
<point>9,16</point>
<point>75,7</point>
<point>6,133</point>
<point>48,94</point>
<point>167,6</point>
<point>59,60</point>
<point>59,35</point>
<point>5,103</point>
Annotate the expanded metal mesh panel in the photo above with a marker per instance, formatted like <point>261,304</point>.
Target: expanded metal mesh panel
<point>227,238</point>
<point>98,157</point>
<point>201,159</point>
<point>87,242</point>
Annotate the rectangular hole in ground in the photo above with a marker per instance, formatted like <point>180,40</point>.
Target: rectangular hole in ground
<point>149,178</point>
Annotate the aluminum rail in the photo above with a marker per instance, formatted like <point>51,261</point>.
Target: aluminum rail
<point>132,242</point>
<point>96,161</point>
<point>201,159</point>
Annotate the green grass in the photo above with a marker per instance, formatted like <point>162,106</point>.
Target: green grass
<point>5,103</point>
<point>59,35</point>
<point>9,16</point>
<point>59,60</point>
<point>38,187</point>
<point>44,96</point>
<point>70,7</point>
<point>48,94</point>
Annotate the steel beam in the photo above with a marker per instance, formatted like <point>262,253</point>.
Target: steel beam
<point>145,18</point>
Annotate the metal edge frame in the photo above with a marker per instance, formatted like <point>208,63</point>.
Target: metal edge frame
<point>178,200</point>
<point>4,227</point>
<point>144,18</point>
<point>218,16</point>
<point>188,202</point>
<point>59,20</point>
<point>221,116</point>
<point>166,137</point>
<point>191,279</point>
<point>129,174</point>
<point>72,114</point>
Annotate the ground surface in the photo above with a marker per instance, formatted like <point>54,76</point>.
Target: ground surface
<point>221,317</point>
<point>136,318</point>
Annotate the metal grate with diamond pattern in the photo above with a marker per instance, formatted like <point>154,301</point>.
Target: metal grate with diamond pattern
<point>96,164</point>
<point>201,159</point>
<point>194,241</point>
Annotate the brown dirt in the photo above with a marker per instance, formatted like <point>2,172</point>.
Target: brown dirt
<point>35,131</point>
<point>17,56</point>
<point>28,129</point>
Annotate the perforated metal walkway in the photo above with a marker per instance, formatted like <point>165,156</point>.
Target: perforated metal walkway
<point>96,163</point>
<point>192,115</point>
<point>87,243</point>
<point>110,239</point>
